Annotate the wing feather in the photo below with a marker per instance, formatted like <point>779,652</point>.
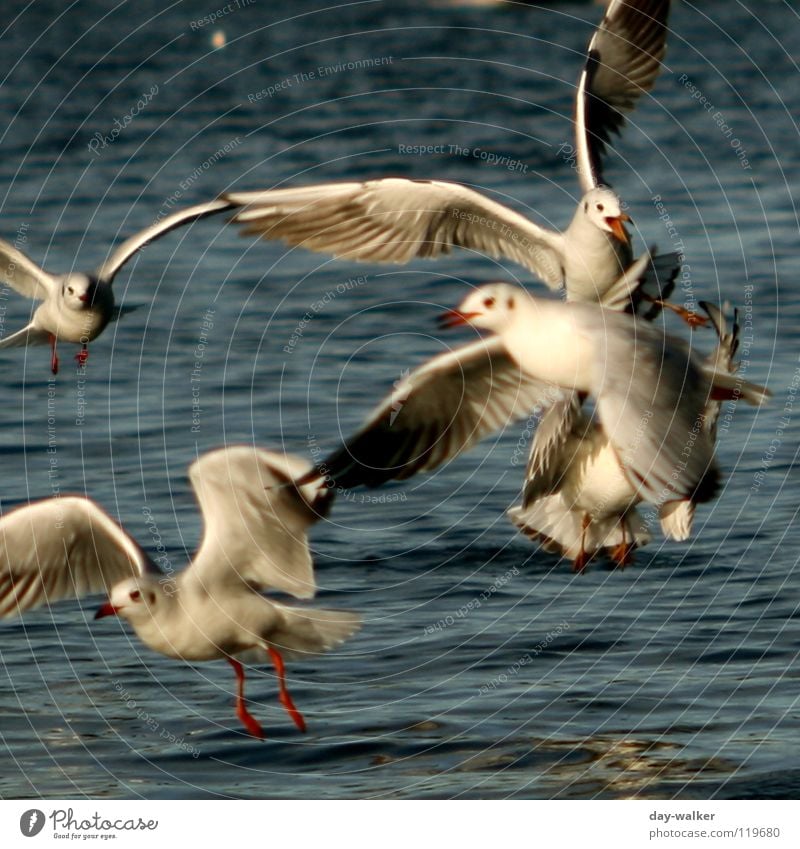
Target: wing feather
<point>395,220</point>
<point>255,520</point>
<point>624,59</point>
<point>62,548</point>
<point>109,269</point>
<point>438,411</point>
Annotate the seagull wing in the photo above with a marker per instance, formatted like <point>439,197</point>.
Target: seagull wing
<point>623,62</point>
<point>439,410</point>
<point>108,270</point>
<point>255,520</point>
<point>23,274</point>
<point>29,335</point>
<point>63,548</point>
<point>395,220</point>
<point>651,401</point>
<point>554,447</point>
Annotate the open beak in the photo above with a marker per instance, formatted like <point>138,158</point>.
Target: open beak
<point>617,226</point>
<point>455,318</point>
<point>106,609</point>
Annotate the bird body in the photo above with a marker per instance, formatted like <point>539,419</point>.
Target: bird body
<point>254,540</point>
<point>77,307</point>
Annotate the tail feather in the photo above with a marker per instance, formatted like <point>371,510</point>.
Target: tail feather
<point>676,519</point>
<point>311,631</point>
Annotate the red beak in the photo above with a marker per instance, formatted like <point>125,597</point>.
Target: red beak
<point>618,228</point>
<point>455,318</point>
<point>106,609</point>
<point>83,298</point>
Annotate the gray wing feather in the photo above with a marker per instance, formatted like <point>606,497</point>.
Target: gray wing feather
<point>23,274</point>
<point>651,401</point>
<point>394,220</point>
<point>255,519</point>
<point>623,62</point>
<point>438,411</point>
<point>29,335</point>
<point>63,548</point>
<point>109,269</point>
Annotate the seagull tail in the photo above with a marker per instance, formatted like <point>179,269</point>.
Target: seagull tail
<point>676,519</point>
<point>312,631</point>
<point>731,387</point>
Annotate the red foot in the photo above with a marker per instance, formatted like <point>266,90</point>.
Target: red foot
<point>248,720</point>
<point>245,717</point>
<point>622,554</point>
<point>283,694</point>
<point>581,562</point>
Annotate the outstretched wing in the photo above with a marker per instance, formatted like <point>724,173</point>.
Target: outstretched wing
<point>395,220</point>
<point>23,274</point>
<point>29,335</point>
<point>63,548</point>
<point>624,59</point>
<point>255,520</point>
<point>108,270</point>
<point>438,411</point>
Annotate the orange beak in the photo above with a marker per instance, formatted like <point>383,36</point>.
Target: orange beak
<point>618,228</point>
<point>106,609</point>
<point>455,318</point>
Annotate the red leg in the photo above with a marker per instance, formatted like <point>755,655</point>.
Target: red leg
<point>82,355</point>
<point>691,318</point>
<point>245,717</point>
<point>283,694</point>
<point>583,558</point>
<point>53,355</point>
<point>622,554</point>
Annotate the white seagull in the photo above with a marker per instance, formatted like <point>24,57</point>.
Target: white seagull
<point>653,396</point>
<point>76,307</point>
<point>650,390</point>
<point>450,403</point>
<point>395,220</point>
<point>578,500</point>
<point>254,540</point>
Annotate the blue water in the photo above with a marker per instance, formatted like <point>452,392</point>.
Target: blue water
<point>485,668</point>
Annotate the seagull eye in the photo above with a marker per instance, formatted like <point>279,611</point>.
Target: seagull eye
<point>511,303</point>
<point>599,207</point>
<point>135,595</point>
<point>71,290</point>
<point>586,206</point>
<point>488,302</point>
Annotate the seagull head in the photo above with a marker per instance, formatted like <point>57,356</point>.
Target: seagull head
<point>491,307</point>
<point>602,207</point>
<point>78,291</point>
<point>133,599</point>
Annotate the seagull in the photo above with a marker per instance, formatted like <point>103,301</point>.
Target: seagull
<point>578,500</point>
<point>76,307</point>
<point>653,398</point>
<point>394,220</point>
<point>254,540</point>
<point>448,404</point>
<point>651,392</point>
